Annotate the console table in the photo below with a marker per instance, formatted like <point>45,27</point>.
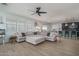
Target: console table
<point>2,35</point>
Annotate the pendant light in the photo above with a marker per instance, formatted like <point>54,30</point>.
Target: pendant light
<point>73,24</point>
<point>66,24</point>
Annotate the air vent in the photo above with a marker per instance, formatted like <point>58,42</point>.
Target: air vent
<point>5,4</point>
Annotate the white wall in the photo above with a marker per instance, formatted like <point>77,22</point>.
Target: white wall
<point>13,24</point>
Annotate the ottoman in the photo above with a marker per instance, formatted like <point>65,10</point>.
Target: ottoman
<point>35,39</point>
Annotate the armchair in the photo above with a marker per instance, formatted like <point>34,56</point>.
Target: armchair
<point>53,36</point>
<point>20,37</point>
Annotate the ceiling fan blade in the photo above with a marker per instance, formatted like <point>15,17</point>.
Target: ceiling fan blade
<point>38,8</point>
<point>42,12</point>
<point>39,14</point>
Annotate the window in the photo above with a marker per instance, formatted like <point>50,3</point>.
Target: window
<point>38,28</point>
<point>44,28</point>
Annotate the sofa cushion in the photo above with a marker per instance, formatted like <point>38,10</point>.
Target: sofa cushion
<point>23,34</point>
<point>48,34</point>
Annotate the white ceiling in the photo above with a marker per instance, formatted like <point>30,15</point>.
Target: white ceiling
<point>56,12</point>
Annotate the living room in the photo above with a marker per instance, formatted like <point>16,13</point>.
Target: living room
<point>39,28</point>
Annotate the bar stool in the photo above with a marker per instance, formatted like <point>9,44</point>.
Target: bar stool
<point>77,34</point>
<point>63,34</point>
<point>60,33</point>
<point>66,34</point>
<point>73,34</point>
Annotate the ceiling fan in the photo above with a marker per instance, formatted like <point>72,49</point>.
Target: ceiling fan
<point>38,12</point>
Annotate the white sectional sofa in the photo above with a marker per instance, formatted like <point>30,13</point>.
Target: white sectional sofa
<point>38,38</point>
